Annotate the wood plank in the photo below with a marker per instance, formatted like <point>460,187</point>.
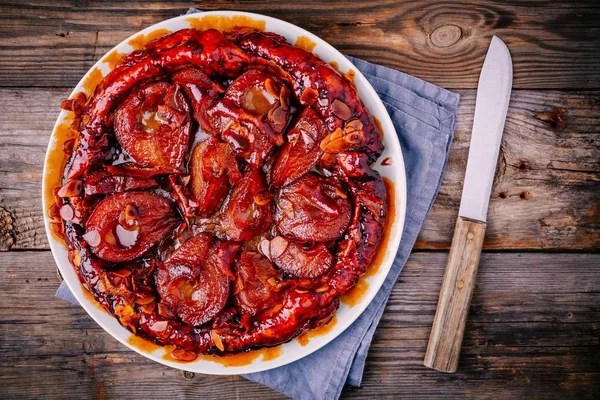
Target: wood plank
<point>546,194</point>
<point>554,43</point>
<point>533,331</point>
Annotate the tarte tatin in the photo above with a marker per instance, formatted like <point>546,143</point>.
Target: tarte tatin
<point>219,196</point>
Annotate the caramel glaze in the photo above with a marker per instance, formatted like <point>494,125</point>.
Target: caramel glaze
<point>305,43</point>
<point>225,24</point>
<point>92,299</point>
<point>92,80</point>
<point>112,59</point>
<point>353,296</point>
<point>140,41</point>
<point>324,329</point>
<point>142,344</point>
<point>350,76</point>
<point>232,360</point>
<point>254,44</point>
<point>56,161</point>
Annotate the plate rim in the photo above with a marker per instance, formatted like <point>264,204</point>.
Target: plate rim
<point>210,367</point>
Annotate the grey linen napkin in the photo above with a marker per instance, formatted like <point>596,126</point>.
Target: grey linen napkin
<point>424,116</point>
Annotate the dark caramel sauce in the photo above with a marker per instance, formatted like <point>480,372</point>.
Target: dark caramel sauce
<point>92,299</point>
<point>241,359</point>
<point>305,43</point>
<point>225,24</point>
<point>140,41</point>
<point>320,331</point>
<point>142,344</point>
<point>353,296</point>
<point>271,353</point>
<point>233,360</point>
<point>113,58</point>
<point>350,76</point>
<point>92,80</point>
<point>55,164</point>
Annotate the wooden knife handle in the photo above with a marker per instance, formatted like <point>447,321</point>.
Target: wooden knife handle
<point>448,328</point>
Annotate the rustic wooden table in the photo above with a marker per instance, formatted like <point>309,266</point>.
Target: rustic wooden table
<point>534,323</point>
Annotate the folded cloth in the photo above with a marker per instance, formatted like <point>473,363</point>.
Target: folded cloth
<point>424,116</point>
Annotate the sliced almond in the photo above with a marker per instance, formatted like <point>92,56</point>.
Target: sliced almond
<point>183,355</point>
<point>337,146</point>
<point>353,125</point>
<point>284,98</point>
<point>327,160</point>
<point>92,238</point>
<point>277,115</point>
<point>354,138</point>
<point>217,339</point>
<point>278,246</point>
<point>122,310</point>
<point>67,212</point>
<point>322,289</point>
<point>159,326</point>
<point>165,311</point>
<point>287,207</point>
<point>148,308</point>
<point>72,188</point>
<point>265,248</point>
<point>308,96</point>
<point>77,258</point>
<point>337,134</point>
<point>272,87</point>
<point>341,109</point>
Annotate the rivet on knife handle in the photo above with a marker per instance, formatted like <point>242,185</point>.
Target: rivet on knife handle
<point>455,296</point>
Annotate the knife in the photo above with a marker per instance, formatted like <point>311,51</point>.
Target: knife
<point>493,95</point>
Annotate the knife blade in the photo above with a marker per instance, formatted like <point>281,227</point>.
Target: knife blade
<point>493,95</point>
<point>491,107</point>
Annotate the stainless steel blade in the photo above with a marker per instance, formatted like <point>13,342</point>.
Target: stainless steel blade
<point>493,95</point>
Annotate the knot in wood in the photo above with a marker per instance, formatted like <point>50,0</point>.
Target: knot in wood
<point>446,35</point>
<point>7,239</point>
<point>188,375</point>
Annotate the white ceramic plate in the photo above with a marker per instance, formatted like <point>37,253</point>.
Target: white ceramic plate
<point>345,315</point>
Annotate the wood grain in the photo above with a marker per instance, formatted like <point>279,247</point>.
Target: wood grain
<point>534,321</point>
<point>546,194</point>
<point>445,340</point>
<point>554,44</point>
<point>533,331</point>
